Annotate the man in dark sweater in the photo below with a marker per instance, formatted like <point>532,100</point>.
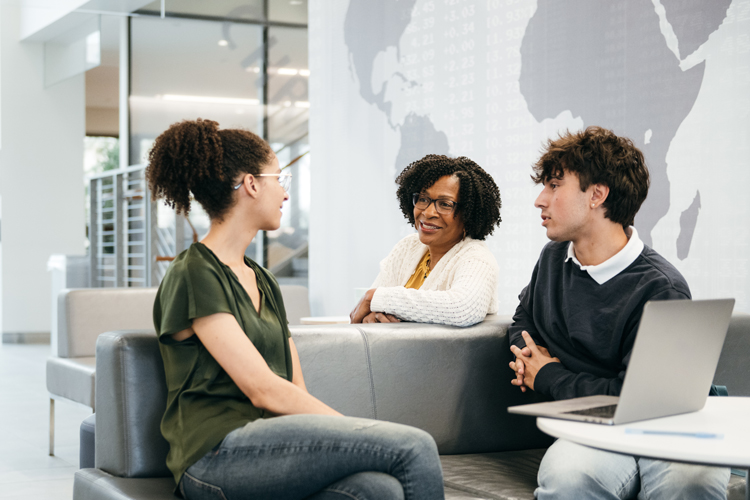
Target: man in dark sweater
<point>574,329</point>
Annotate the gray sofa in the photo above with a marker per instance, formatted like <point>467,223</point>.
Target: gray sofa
<point>452,382</point>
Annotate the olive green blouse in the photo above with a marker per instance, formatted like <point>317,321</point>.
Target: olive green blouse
<point>203,403</point>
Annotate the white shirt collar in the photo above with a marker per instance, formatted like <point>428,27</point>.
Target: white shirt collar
<point>617,263</point>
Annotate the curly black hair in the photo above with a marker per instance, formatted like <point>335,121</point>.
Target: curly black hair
<point>478,195</point>
<point>196,157</point>
<point>598,156</point>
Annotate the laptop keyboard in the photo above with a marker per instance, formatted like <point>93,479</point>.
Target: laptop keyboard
<point>607,411</point>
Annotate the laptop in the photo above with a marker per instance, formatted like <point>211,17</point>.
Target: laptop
<point>671,368</point>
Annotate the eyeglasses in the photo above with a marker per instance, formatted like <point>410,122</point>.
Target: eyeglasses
<point>444,207</point>
<point>284,179</point>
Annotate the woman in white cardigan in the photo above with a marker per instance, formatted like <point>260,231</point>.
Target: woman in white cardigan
<point>443,273</point>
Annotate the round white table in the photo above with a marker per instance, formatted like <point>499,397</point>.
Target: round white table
<point>718,434</point>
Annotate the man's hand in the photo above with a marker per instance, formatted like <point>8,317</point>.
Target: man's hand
<point>529,361</point>
<point>362,309</point>
<point>379,317</point>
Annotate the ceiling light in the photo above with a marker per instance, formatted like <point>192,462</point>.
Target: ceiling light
<point>302,104</point>
<point>209,99</point>
<point>304,72</point>
<point>287,71</point>
<point>252,69</point>
<point>223,43</point>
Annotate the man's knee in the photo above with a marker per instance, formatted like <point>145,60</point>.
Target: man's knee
<point>677,480</point>
<point>571,471</point>
<point>565,479</point>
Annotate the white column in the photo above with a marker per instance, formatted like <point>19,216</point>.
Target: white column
<point>41,168</point>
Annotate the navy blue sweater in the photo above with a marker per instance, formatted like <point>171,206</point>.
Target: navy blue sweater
<point>590,327</point>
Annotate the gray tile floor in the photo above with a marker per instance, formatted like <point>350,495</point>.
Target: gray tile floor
<point>26,469</point>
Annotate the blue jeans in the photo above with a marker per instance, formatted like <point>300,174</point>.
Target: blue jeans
<point>570,470</point>
<point>321,458</point>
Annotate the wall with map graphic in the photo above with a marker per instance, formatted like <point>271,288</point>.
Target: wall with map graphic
<point>393,80</point>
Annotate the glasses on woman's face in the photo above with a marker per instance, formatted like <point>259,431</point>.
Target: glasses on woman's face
<point>284,179</point>
<point>443,207</point>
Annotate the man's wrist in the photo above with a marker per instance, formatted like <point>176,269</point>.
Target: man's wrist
<point>546,376</point>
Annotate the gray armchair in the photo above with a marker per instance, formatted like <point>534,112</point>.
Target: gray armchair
<point>83,314</point>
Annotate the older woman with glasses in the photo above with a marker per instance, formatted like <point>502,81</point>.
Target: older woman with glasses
<point>443,273</point>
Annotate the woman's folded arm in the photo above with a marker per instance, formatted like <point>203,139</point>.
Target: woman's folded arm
<point>464,303</point>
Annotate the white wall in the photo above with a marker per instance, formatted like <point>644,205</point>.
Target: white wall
<point>41,164</point>
<point>495,79</point>
<point>36,15</point>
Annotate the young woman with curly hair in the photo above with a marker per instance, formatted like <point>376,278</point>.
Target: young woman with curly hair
<point>239,420</point>
<point>443,273</point>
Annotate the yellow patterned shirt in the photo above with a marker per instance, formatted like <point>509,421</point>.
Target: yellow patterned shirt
<point>420,273</point>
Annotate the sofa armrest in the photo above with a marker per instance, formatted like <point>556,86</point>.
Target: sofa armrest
<point>131,396</point>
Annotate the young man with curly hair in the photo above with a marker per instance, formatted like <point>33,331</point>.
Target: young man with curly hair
<point>574,329</point>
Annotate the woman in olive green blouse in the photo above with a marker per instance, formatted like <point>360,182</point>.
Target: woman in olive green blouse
<point>239,420</point>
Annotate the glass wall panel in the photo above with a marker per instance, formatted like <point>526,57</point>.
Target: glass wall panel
<point>288,111</point>
<point>206,61</point>
<point>183,69</point>
<point>187,69</point>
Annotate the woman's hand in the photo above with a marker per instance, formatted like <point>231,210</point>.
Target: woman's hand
<point>363,308</point>
<point>379,317</point>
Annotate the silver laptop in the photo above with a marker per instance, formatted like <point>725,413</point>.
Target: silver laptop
<point>674,359</point>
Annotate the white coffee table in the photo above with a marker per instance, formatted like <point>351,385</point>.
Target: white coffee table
<point>726,418</point>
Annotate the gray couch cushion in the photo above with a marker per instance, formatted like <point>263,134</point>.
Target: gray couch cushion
<point>336,367</point>
<point>510,474</point>
<point>451,382</point>
<point>72,378</point>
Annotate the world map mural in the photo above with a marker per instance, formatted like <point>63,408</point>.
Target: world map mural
<point>494,79</point>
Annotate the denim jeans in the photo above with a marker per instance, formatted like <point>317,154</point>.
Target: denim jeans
<point>570,470</point>
<point>321,458</point>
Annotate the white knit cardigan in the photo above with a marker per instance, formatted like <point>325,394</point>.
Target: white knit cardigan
<point>460,291</point>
